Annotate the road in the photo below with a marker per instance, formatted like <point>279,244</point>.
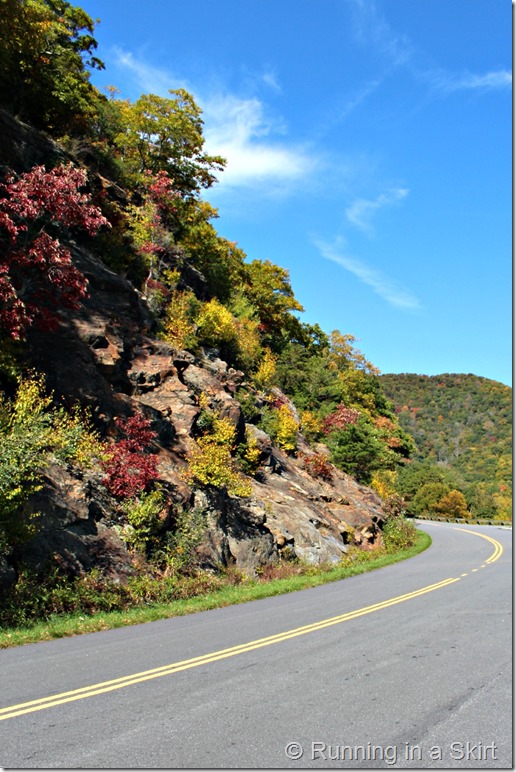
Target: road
<point>408,666</point>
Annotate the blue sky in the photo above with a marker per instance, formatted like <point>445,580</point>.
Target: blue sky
<point>369,153</point>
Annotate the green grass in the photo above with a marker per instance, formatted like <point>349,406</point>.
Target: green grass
<point>61,626</point>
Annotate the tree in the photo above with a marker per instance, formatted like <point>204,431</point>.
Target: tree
<point>412,477</point>
<point>344,356</point>
<point>428,497</point>
<point>357,450</point>
<point>45,48</point>
<point>268,288</point>
<point>452,505</point>
<point>36,271</point>
<point>165,134</point>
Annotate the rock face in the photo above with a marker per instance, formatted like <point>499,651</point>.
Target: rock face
<point>105,357</point>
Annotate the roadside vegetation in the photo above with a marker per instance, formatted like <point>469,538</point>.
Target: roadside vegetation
<point>92,603</point>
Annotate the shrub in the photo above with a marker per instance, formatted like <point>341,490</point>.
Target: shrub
<point>398,534</point>
<point>36,271</point>
<point>130,470</point>
<point>247,343</point>
<point>143,519</point>
<point>383,482</point>
<point>340,418</point>
<point>32,434</point>
<point>179,553</point>
<point>287,431</point>
<point>179,328</point>
<point>249,453</point>
<point>211,461</point>
<point>311,426</point>
<point>76,442</point>
<point>212,464</point>
<point>318,465</point>
<point>281,426</point>
<point>266,373</point>
<point>215,324</point>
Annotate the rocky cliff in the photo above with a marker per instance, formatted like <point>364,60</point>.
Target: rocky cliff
<point>105,357</point>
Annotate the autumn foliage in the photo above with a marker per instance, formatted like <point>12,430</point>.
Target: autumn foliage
<point>130,468</point>
<point>340,418</point>
<point>36,271</point>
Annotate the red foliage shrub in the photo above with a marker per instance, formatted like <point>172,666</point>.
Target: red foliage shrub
<point>36,271</point>
<point>341,417</point>
<point>318,466</point>
<point>130,470</point>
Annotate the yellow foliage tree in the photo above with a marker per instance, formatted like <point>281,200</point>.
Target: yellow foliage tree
<point>453,504</point>
<point>287,431</point>
<point>383,482</point>
<point>179,327</point>
<point>264,376</point>
<point>215,324</point>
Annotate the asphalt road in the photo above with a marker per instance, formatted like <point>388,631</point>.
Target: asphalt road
<point>409,666</point>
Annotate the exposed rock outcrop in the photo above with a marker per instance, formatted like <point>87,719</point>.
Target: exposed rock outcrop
<point>104,357</point>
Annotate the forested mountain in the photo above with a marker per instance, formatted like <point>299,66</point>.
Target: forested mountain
<point>462,423</point>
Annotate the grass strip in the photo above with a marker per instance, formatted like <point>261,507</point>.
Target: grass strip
<point>62,626</point>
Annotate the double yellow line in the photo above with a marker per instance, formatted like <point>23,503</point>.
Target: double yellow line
<point>498,547</point>
<point>176,667</point>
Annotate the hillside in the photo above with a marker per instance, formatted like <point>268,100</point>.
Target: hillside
<point>165,415</point>
<point>462,423</point>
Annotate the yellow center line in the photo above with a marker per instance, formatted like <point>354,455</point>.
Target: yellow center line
<point>147,675</point>
<point>498,547</point>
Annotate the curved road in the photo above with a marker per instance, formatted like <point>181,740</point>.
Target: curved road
<point>409,666</point>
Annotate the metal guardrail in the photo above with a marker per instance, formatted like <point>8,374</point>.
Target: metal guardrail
<point>469,521</point>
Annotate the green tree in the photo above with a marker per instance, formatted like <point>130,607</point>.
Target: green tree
<point>358,451</point>
<point>427,499</point>
<point>412,477</point>
<point>268,288</point>
<point>165,134</point>
<point>307,379</point>
<point>45,48</point>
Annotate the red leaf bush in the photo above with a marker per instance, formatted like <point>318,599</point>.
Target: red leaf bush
<point>341,417</point>
<point>36,271</point>
<point>130,469</point>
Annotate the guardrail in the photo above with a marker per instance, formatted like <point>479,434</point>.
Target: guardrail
<point>469,521</point>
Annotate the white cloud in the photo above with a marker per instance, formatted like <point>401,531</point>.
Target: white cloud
<point>447,83</point>
<point>394,294</point>
<point>238,130</point>
<point>361,211</point>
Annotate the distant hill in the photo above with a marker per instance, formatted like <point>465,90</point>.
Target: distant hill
<point>463,422</point>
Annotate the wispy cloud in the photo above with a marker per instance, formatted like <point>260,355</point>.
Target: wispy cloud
<point>239,130</point>
<point>371,28</point>
<point>270,79</point>
<point>149,79</point>
<point>361,211</point>
<point>393,293</point>
<point>448,82</point>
